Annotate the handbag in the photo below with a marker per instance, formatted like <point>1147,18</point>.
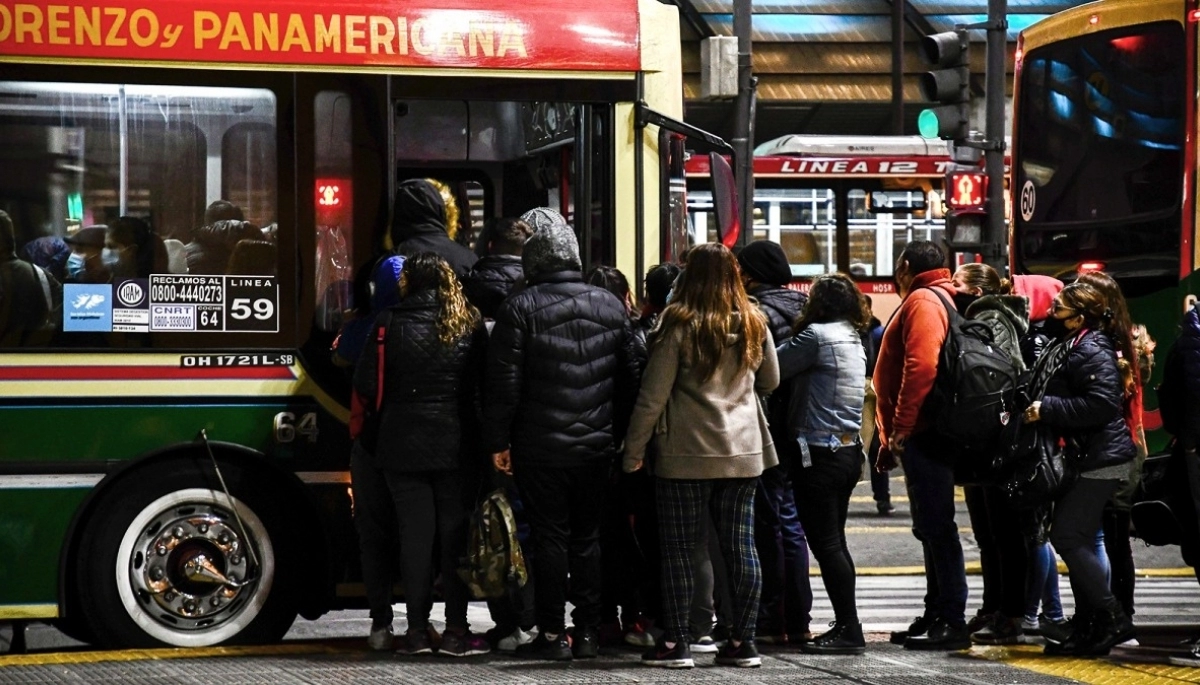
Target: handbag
<point>1041,473</point>
<point>1031,455</point>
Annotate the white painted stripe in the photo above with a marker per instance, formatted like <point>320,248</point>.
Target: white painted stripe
<point>323,477</point>
<point>41,481</point>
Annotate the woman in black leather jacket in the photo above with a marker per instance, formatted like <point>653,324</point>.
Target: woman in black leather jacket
<point>1083,403</point>
<point>433,353</point>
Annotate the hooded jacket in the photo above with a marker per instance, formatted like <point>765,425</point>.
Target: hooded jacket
<point>703,428</point>
<point>1008,317</point>
<point>908,356</point>
<point>1083,403</point>
<point>419,225</point>
<point>781,306</point>
<point>430,390</point>
<point>492,279</point>
<point>556,374</point>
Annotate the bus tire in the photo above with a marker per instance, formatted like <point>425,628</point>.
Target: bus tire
<point>167,560</point>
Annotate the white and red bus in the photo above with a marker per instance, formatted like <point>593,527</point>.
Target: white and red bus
<point>838,203</point>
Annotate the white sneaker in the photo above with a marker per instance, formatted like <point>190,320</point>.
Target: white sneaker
<point>511,642</point>
<point>704,645</point>
<point>380,640</point>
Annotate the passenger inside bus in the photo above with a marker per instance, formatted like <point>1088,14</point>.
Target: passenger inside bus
<point>86,262</point>
<point>27,294</point>
<point>133,250</point>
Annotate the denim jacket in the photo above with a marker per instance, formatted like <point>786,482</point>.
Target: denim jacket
<point>827,367</point>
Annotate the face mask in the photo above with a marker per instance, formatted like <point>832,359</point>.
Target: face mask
<point>110,257</point>
<point>1056,328</point>
<point>75,265</point>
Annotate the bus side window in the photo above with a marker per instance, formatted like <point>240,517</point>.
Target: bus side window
<point>334,198</point>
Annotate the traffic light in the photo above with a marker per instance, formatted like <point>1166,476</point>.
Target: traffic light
<point>948,84</point>
<point>966,200</point>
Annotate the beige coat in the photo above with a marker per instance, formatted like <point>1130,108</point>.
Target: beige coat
<point>703,428</point>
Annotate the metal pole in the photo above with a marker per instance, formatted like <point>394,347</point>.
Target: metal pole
<point>743,140</point>
<point>898,67</point>
<point>994,85</point>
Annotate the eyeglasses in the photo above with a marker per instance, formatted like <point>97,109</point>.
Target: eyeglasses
<point>1060,307</point>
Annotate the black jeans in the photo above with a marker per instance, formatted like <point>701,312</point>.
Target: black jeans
<point>930,482</point>
<point>1077,517</point>
<point>787,598</point>
<point>564,508</point>
<point>1002,551</point>
<point>1120,555</point>
<point>431,512</point>
<point>375,521</point>
<point>823,498</point>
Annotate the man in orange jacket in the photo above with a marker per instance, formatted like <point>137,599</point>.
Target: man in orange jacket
<point>904,375</point>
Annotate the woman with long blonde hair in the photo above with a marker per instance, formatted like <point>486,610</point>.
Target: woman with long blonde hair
<point>712,360</point>
<point>423,384</point>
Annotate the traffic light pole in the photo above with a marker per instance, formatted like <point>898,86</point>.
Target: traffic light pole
<point>995,84</point>
<point>743,127</point>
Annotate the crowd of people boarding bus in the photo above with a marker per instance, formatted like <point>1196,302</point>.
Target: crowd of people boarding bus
<point>671,464</point>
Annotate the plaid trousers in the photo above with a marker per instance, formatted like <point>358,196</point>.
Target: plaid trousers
<point>682,505</point>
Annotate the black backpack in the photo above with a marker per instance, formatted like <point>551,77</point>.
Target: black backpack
<point>974,394</point>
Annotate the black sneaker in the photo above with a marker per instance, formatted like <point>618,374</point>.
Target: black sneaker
<point>744,655</point>
<point>557,649</point>
<point>885,508</point>
<point>1001,631</point>
<point>842,638</point>
<point>918,627</point>
<point>1054,631</point>
<point>662,656</point>
<point>585,643</point>
<point>941,636</point>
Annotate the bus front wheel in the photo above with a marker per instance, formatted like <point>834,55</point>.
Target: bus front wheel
<point>168,559</point>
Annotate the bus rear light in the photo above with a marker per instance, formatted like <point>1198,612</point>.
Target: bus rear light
<point>1087,267</point>
<point>1193,16</point>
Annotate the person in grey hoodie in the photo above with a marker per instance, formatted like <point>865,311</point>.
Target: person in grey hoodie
<point>556,400</point>
<point>700,401</point>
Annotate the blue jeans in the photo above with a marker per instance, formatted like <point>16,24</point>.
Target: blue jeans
<point>1041,584</point>
<point>930,485</point>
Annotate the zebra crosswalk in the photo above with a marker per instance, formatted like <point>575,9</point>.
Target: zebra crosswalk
<point>891,602</point>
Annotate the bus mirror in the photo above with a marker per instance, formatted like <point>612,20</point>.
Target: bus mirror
<point>725,201</point>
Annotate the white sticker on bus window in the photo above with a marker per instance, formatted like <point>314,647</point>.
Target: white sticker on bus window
<point>229,304</point>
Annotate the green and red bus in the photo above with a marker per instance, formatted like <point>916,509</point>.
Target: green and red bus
<point>1104,156</point>
<point>174,448</point>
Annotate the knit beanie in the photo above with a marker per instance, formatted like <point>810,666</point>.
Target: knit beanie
<point>765,262</point>
<point>553,245</point>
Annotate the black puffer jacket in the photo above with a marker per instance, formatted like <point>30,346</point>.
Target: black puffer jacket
<point>491,281</point>
<point>781,307</point>
<point>419,225</point>
<point>1083,403</point>
<point>430,390</point>
<point>556,374</point>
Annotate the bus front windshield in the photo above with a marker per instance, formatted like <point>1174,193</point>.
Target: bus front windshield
<point>1100,153</point>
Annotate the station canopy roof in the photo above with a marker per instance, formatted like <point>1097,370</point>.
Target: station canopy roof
<point>825,66</point>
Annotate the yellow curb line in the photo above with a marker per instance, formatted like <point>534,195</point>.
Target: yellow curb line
<point>1030,658</point>
<point>95,657</point>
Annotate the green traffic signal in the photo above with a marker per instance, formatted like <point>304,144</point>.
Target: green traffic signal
<point>927,123</point>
